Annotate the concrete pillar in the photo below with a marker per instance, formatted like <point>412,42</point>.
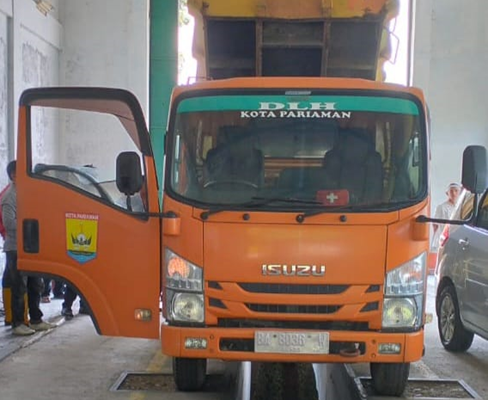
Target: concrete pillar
<point>163,72</point>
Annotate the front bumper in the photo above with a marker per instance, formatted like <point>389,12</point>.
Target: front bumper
<point>238,344</point>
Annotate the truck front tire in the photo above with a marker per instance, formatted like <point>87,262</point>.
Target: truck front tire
<point>389,379</point>
<point>189,373</point>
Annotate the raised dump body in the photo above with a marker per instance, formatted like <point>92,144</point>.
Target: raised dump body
<point>348,38</point>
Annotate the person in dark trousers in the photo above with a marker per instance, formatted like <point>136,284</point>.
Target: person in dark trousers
<point>69,298</point>
<point>20,284</point>
<point>5,282</point>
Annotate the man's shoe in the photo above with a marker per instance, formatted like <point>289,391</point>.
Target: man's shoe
<point>23,330</point>
<point>42,326</point>
<point>67,313</point>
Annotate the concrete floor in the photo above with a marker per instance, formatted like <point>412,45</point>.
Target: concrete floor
<point>73,362</point>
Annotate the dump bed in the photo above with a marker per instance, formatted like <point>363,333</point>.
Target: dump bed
<point>338,38</point>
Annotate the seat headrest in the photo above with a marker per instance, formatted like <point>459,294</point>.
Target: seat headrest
<point>354,145</point>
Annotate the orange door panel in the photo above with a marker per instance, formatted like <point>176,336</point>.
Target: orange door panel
<point>76,225</point>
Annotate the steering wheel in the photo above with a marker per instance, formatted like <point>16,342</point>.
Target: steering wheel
<point>42,169</point>
<point>248,184</point>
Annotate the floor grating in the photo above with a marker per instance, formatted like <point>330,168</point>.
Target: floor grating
<point>160,382</point>
<point>423,389</point>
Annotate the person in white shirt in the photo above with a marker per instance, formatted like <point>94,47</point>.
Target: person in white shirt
<point>444,211</point>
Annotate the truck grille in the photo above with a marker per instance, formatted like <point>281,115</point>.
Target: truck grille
<point>278,288</point>
<point>290,309</point>
<point>294,306</point>
<point>318,325</point>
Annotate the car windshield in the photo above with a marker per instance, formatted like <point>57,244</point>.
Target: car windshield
<point>297,151</point>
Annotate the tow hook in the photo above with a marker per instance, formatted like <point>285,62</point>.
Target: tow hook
<point>350,350</point>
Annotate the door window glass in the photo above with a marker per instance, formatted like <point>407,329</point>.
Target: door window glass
<point>79,149</point>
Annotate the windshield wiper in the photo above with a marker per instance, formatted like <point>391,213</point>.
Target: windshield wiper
<point>255,202</point>
<point>293,200</point>
<point>369,207</point>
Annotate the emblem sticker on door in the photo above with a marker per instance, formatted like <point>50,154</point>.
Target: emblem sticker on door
<point>81,236</point>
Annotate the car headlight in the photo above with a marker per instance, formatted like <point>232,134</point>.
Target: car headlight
<point>187,307</point>
<point>182,274</point>
<point>404,294</point>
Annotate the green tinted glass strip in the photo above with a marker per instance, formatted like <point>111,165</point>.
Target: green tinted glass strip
<point>338,103</point>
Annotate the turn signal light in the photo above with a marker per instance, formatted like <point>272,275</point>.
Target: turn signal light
<point>143,314</point>
<point>178,266</point>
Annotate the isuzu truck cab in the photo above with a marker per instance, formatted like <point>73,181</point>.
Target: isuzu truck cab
<point>287,229</point>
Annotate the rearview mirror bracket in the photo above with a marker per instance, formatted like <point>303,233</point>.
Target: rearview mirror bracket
<point>425,219</point>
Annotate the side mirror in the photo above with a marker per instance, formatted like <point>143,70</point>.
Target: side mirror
<point>475,169</point>
<point>129,174</point>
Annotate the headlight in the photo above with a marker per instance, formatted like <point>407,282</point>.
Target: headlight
<point>182,274</point>
<point>404,294</point>
<point>399,312</point>
<point>187,307</point>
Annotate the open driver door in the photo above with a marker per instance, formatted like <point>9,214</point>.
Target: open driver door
<point>88,209</point>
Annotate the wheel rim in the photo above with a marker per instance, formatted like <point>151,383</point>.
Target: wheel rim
<point>447,318</point>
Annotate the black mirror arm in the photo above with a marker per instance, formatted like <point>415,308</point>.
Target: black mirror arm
<point>128,202</point>
<point>425,219</point>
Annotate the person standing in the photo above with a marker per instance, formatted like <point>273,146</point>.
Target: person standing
<point>5,283</point>
<point>444,211</point>
<point>20,284</point>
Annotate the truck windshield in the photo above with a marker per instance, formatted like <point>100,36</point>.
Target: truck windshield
<point>299,151</point>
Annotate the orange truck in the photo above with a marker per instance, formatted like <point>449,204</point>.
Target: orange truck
<point>287,230</point>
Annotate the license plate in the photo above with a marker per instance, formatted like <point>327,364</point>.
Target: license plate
<point>291,342</point>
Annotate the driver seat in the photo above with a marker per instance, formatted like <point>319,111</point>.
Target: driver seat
<point>235,161</point>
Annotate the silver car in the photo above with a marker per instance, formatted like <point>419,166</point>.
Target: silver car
<point>462,275</point>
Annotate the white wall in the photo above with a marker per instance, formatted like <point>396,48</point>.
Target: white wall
<point>91,42</point>
<point>30,44</point>
<point>451,66</point>
<point>107,44</point>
